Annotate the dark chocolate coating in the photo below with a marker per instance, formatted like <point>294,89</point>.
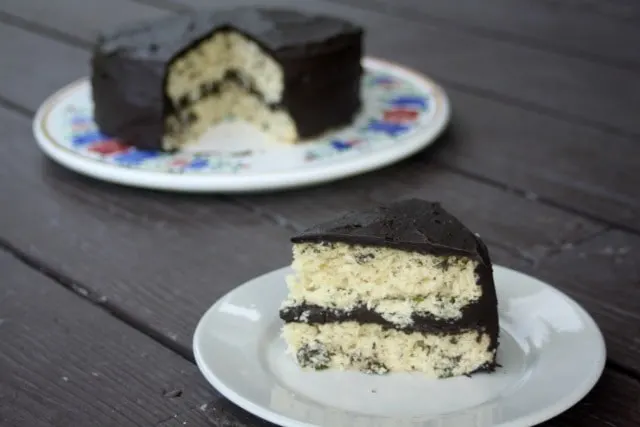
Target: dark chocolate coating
<point>410,225</point>
<point>420,226</point>
<point>319,55</point>
<point>472,318</point>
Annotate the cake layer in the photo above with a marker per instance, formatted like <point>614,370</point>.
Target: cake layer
<point>474,317</point>
<point>373,349</point>
<point>387,280</point>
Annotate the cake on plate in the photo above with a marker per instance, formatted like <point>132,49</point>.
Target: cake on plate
<point>403,287</point>
<point>162,84</point>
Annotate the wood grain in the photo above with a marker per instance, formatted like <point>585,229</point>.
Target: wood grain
<point>67,363</point>
<point>585,28</point>
<point>27,80</point>
<point>604,274</point>
<point>81,19</point>
<point>582,168</point>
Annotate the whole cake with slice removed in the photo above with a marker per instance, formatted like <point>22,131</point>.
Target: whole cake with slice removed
<point>399,288</point>
<point>161,84</point>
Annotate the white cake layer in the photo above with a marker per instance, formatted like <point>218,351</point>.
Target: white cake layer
<point>232,100</point>
<point>370,348</point>
<point>391,282</point>
<point>227,50</point>
<point>207,63</point>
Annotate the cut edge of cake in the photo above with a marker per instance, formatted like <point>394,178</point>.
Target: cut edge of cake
<point>402,287</point>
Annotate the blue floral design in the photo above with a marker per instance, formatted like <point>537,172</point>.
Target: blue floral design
<point>85,138</point>
<point>135,157</point>
<point>383,80</point>
<point>390,128</point>
<point>341,145</point>
<point>409,101</point>
<point>198,163</point>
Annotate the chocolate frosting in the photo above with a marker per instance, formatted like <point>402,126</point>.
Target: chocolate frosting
<point>411,225</point>
<point>472,318</point>
<point>319,55</point>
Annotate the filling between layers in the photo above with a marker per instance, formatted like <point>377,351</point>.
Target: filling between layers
<point>394,284</point>
<point>373,349</point>
<point>224,75</point>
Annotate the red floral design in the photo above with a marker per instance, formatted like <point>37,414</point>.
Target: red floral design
<point>400,115</point>
<point>179,163</point>
<point>109,146</point>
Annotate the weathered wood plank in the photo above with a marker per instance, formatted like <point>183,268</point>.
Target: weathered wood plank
<point>67,363</point>
<point>81,19</point>
<point>583,168</point>
<point>24,80</point>
<point>604,273</point>
<point>595,30</point>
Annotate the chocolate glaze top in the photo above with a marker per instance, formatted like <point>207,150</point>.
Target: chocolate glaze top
<point>411,225</point>
<point>279,30</point>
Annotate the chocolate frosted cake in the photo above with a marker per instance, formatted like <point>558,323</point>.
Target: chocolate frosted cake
<point>404,287</point>
<point>162,84</point>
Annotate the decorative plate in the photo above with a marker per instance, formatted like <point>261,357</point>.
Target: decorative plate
<point>402,113</point>
<point>551,354</point>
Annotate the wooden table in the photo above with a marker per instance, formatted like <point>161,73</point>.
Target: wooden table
<point>102,286</point>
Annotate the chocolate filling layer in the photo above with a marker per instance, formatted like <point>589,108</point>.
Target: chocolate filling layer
<point>422,322</point>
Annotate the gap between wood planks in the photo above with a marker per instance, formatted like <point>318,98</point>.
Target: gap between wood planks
<point>79,43</point>
<point>97,300</point>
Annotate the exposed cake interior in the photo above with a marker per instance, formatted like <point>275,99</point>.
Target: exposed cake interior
<point>375,349</point>
<point>224,75</point>
<point>391,282</point>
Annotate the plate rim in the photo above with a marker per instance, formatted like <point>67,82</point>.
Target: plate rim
<point>524,421</point>
<point>259,182</point>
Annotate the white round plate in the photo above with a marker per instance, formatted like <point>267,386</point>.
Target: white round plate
<point>403,112</point>
<point>551,354</point>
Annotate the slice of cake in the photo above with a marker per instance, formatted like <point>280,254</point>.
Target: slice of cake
<point>404,287</point>
<point>162,84</point>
